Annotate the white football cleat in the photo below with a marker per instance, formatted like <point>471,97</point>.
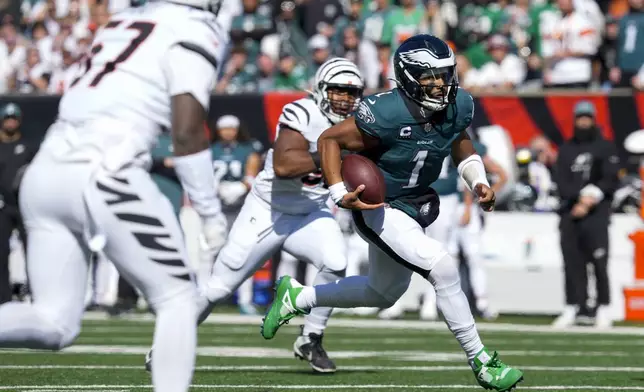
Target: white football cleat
<point>566,318</point>
<point>603,318</point>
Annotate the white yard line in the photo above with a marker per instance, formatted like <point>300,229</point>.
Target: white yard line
<point>264,387</point>
<point>282,353</point>
<point>394,324</point>
<point>264,368</point>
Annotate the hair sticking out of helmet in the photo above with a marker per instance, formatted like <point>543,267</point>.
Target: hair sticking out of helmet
<point>338,88</point>
<point>425,69</point>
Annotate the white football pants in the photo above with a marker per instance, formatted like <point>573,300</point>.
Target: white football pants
<point>103,283</point>
<point>398,247</point>
<point>468,238</point>
<point>259,232</point>
<point>70,207</point>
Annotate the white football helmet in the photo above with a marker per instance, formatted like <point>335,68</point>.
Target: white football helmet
<point>343,80</point>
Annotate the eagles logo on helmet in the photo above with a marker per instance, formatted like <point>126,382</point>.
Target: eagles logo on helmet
<point>425,69</point>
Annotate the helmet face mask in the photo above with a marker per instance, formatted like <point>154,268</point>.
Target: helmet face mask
<point>342,100</point>
<point>425,69</point>
<point>338,89</point>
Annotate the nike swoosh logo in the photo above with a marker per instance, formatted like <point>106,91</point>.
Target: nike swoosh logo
<point>371,101</point>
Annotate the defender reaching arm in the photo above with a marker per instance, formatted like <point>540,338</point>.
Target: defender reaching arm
<point>343,136</point>
<point>190,99</point>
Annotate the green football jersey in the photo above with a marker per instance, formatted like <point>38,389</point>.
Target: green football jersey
<point>543,19</point>
<point>229,160</point>
<point>447,182</point>
<point>630,46</point>
<point>413,141</point>
<point>400,25</point>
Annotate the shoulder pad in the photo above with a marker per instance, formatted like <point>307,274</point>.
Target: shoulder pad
<point>464,109</point>
<point>299,115</point>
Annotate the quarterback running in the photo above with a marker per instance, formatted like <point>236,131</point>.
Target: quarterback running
<point>151,69</point>
<point>406,132</point>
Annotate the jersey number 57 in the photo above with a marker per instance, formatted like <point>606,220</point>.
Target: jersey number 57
<point>94,60</point>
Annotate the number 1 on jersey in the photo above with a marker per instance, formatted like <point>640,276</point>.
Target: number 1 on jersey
<point>419,158</point>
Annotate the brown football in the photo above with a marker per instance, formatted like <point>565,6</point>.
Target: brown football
<point>358,170</point>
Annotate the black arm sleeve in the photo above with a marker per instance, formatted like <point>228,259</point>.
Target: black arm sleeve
<point>562,177</point>
<point>609,180</point>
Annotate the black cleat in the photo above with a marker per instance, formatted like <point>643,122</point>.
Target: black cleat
<point>309,348</point>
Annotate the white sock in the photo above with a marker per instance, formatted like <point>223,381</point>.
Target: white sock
<point>175,344</point>
<point>453,303</point>
<point>307,298</point>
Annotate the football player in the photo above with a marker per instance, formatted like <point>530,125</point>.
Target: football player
<point>287,205</point>
<point>150,69</point>
<point>407,132</point>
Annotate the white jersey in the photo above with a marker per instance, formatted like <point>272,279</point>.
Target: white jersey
<point>296,195</point>
<point>119,102</point>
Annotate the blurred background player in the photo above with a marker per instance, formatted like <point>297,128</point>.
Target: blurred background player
<point>236,164</point>
<point>287,205</point>
<point>89,190</point>
<point>466,235</point>
<point>16,152</point>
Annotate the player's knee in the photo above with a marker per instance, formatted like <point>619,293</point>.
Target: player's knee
<point>182,298</point>
<point>56,334</point>
<point>444,276</point>
<point>385,299</point>
<point>334,262</point>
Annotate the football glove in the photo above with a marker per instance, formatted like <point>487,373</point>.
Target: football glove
<point>214,231</point>
<point>231,192</point>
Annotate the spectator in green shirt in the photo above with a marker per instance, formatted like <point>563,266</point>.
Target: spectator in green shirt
<point>373,19</point>
<point>403,22</point>
<point>290,76</point>
<point>240,75</point>
<point>630,45</point>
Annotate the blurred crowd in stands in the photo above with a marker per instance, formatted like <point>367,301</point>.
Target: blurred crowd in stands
<point>500,45</point>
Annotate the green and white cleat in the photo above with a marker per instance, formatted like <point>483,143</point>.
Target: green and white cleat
<point>492,374</point>
<point>283,307</point>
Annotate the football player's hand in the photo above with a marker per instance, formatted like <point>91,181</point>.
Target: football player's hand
<point>214,232</point>
<point>230,192</point>
<point>351,201</point>
<point>486,197</point>
<point>579,210</point>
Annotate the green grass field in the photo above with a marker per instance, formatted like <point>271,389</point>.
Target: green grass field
<point>371,355</point>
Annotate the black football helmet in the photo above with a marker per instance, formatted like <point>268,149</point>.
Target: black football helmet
<point>420,64</point>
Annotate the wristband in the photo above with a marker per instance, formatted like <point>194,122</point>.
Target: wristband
<point>198,180</point>
<point>472,171</point>
<point>337,192</point>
